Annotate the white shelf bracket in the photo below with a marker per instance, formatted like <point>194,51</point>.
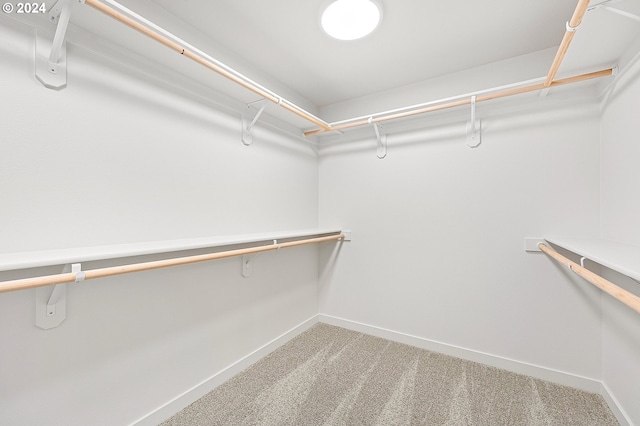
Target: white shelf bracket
<point>247,262</point>
<point>381,138</point>
<point>51,56</point>
<point>474,127</point>
<point>51,306</point>
<point>247,135</point>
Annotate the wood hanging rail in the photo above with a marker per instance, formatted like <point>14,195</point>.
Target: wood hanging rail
<point>71,277</point>
<point>572,25</point>
<point>624,296</point>
<point>460,102</point>
<point>138,23</point>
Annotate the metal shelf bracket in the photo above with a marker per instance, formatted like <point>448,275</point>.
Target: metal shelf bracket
<point>51,306</point>
<point>247,260</point>
<point>474,127</point>
<point>247,135</point>
<point>381,138</point>
<point>51,56</point>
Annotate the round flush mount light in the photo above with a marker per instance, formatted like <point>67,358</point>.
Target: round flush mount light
<point>350,19</point>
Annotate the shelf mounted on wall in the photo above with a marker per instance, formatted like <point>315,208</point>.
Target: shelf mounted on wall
<point>51,290</point>
<point>618,257</point>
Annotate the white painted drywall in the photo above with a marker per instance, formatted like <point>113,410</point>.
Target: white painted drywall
<point>439,228</point>
<point>508,71</point>
<point>621,222</point>
<point>437,250</point>
<point>116,158</point>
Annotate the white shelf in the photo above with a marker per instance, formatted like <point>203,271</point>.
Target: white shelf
<point>623,258</point>
<point>24,260</point>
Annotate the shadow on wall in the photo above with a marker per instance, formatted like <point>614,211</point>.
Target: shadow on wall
<point>328,257</point>
<point>175,98</point>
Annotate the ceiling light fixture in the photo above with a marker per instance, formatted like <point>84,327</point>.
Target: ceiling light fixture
<point>350,19</point>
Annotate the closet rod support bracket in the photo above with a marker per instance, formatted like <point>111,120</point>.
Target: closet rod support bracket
<point>247,127</point>
<point>51,55</point>
<point>474,127</point>
<point>51,305</point>
<point>571,29</point>
<point>381,139</point>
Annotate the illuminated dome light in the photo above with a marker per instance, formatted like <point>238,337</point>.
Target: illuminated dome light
<point>350,19</point>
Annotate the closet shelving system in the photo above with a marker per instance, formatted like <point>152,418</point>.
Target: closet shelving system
<point>255,243</point>
<point>622,258</point>
<point>619,258</point>
<point>144,26</point>
<point>51,307</point>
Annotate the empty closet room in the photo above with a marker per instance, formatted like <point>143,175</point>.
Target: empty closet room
<point>189,188</point>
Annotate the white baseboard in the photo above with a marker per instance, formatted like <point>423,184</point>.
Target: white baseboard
<point>563,378</point>
<point>615,407</point>
<point>185,399</point>
<point>543,373</point>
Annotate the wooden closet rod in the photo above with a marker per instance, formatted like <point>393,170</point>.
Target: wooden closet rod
<point>459,102</point>
<point>70,277</point>
<point>138,23</point>
<point>628,298</point>
<point>572,25</point>
<point>576,19</point>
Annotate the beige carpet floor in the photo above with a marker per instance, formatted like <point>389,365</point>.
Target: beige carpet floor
<point>332,376</point>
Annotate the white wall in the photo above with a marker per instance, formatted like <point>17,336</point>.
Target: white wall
<point>437,250</point>
<point>512,70</point>
<point>620,222</point>
<point>438,241</point>
<point>116,158</point>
